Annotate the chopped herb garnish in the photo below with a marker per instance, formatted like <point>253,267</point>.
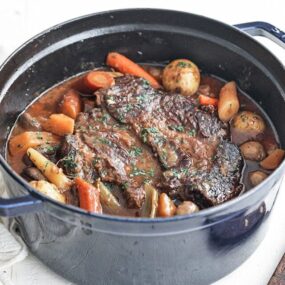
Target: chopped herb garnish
<point>135,151</point>
<point>183,64</point>
<point>177,128</point>
<point>105,141</point>
<point>137,172</point>
<point>192,133</point>
<point>68,162</point>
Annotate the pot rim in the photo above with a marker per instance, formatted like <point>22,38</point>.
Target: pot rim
<point>203,213</point>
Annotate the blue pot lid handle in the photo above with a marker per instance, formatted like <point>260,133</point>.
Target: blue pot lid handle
<point>265,30</point>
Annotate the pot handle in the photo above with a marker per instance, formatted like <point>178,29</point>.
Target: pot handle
<point>265,30</point>
<point>19,205</point>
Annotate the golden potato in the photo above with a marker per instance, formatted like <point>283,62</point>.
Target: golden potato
<point>253,151</point>
<point>186,208</point>
<point>256,177</point>
<point>250,122</point>
<point>181,75</point>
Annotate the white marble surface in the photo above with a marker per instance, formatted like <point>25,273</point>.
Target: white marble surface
<point>21,19</point>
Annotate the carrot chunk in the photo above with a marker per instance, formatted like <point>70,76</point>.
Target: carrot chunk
<point>205,100</point>
<point>89,196</point>
<point>60,124</point>
<point>126,66</point>
<point>20,143</point>
<point>71,104</point>
<point>98,79</point>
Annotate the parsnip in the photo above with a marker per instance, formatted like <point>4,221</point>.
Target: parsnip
<point>53,173</point>
<point>49,190</point>
<point>228,104</point>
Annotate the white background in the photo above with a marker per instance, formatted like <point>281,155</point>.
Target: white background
<point>21,19</point>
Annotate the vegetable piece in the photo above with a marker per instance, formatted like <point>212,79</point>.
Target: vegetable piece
<point>186,208</point>
<point>71,104</point>
<point>126,66</point>
<point>20,143</point>
<point>228,105</point>
<point>89,196</point>
<point>154,71</point>
<point>32,173</point>
<point>256,177</point>
<point>205,100</point>
<point>253,150</point>
<point>151,201</point>
<point>50,170</point>
<point>108,200</point>
<point>248,122</point>
<point>49,190</point>
<point>181,75</point>
<point>60,124</point>
<point>273,160</point>
<point>99,79</point>
<point>166,207</point>
<point>30,123</point>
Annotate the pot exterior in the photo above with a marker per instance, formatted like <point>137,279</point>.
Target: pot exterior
<point>85,255</point>
<point>198,249</point>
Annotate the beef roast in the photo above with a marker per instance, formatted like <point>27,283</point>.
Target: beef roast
<point>190,141</point>
<point>102,147</point>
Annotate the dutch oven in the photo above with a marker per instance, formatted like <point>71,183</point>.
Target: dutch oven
<point>101,249</point>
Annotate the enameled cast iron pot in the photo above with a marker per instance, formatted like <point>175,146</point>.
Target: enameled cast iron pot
<point>101,249</point>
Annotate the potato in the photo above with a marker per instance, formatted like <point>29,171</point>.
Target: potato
<point>48,189</point>
<point>256,177</point>
<point>249,122</point>
<point>50,170</point>
<point>228,105</point>
<point>273,160</point>
<point>186,208</point>
<point>181,75</point>
<point>253,150</point>
<point>166,207</point>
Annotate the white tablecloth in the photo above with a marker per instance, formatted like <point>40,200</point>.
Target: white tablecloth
<point>21,19</point>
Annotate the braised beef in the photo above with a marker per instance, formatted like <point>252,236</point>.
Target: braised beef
<point>105,148</point>
<point>189,141</point>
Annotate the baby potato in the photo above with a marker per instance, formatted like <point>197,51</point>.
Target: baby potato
<point>181,75</point>
<point>249,122</point>
<point>253,151</point>
<point>256,177</point>
<point>186,208</point>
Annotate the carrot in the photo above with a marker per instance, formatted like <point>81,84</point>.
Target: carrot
<point>98,79</point>
<point>70,104</point>
<point>20,143</point>
<point>60,124</point>
<point>205,100</point>
<point>125,65</point>
<point>89,196</point>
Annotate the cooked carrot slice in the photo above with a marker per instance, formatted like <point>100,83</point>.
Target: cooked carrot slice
<point>99,79</point>
<point>89,196</point>
<point>71,104</point>
<point>126,66</point>
<point>60,124</point>
<point>205,100</point>
<point>20,143</point>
